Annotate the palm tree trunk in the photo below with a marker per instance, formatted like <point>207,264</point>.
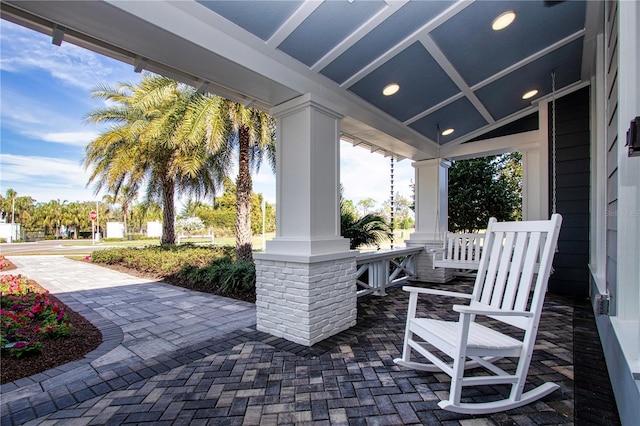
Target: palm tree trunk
<point>168,212</point>
<point>125,211</point>
<point>244,248</point>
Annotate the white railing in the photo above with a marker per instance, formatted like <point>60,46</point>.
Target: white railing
<point>208,236</point>
<point>381,269</point>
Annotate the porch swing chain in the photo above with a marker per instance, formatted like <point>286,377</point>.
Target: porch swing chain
<point>553,141</point>
<point>553,149</point>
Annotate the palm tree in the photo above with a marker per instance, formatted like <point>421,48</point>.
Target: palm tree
<point>366,230</point>
<point>128,195</point>
<point>76,216</point>
<point>144,145</point>
<point>11,199</point>
<point>49,216</point>
<point>226,126</point>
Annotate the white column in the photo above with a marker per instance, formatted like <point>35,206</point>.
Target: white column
<point>307,180</point>
<point>305,280</point>
<point>432,199</point>
<point>535,182</point>
<point>432,216</point>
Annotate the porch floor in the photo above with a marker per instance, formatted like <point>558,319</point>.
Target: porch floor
<point>249,377</point>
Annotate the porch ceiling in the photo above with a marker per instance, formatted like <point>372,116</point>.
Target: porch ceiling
<point>453,70</point>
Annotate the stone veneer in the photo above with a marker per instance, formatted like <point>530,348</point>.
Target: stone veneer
<point>424,264</point>
<point>305,302</point>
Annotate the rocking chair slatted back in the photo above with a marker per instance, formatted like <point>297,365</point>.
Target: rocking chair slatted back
<point>507,273</point>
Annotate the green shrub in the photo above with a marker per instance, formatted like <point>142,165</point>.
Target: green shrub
<point>224,232</point>
<point>161,260</point>
<point>136,237</point>
<point>222,276</point>
<point>208,269</point>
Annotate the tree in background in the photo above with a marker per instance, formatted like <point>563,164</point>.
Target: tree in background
<point>228,128</point>
<point>366,205</point>
<point>23,207</point>
<point>370,229</point>
<point>403,215</point>
<point>146,144</point>
<point>141,213</point>
<point>221,217</point>
<point>486,187</point>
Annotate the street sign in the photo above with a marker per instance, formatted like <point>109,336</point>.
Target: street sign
<point>93,215</point>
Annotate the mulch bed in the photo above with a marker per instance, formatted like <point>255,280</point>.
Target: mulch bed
<point>84,338</point>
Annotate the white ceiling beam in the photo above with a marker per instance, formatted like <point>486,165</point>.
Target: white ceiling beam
<point>433,108</point>
<point>294,21</point>
<point>493,146</point>
<point>357,35</point>
<point>455,76</point>
<point>412,38</point>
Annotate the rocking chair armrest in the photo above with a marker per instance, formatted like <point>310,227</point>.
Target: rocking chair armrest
<point>421,290</point>
<point>463,309</point>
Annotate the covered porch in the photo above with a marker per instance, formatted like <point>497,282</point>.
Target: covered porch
<point>229,372</point>
<point>320,68</point>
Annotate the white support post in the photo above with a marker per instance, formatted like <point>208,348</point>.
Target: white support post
<point>305,280</point>
<point>432,215</point>
<point>535,175</point>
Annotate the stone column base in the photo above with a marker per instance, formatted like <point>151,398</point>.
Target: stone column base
<point>305,299</point>
<point>425,272</point>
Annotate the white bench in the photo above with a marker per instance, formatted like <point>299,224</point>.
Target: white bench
<point>208,236</point>
<point>460,252</point>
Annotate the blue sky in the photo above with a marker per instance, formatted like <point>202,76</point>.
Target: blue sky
<point>45,95</point>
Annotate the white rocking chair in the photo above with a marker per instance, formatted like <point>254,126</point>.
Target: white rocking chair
<point>510,287</point>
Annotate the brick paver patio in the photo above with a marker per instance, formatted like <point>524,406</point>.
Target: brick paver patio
<point>237,375</point>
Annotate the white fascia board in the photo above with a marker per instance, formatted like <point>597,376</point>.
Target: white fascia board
<point>517,142</point>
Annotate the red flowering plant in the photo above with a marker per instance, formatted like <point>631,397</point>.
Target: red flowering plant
<point>27,314</point>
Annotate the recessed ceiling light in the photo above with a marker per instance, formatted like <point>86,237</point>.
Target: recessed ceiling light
<point>503,20</point>
<point>530,94</point>
<point>391,89</point>
<point>447,132</point>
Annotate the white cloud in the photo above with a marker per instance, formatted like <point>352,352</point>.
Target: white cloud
<point>43,121</point>
<point>70,138</point>
<point>363,175</point>
<point>45,178</point>
<point>71,65</point>
<point>367,175</point>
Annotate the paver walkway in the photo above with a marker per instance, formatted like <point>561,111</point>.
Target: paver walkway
<point>226,372</point>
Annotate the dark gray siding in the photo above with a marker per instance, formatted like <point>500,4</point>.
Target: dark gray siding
<point>571,273</point>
